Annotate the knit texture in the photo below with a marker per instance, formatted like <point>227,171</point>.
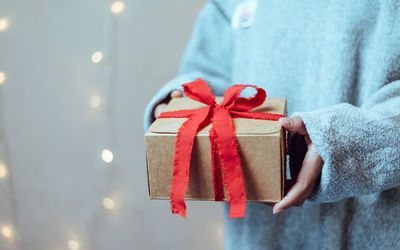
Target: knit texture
<point>338,64</point>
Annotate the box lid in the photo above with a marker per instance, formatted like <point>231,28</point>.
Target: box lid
<point>242,125</point>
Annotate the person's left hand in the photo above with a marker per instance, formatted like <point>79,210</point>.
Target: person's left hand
<point>312,165</point>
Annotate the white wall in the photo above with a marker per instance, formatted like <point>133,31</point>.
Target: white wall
<point>52,137</point>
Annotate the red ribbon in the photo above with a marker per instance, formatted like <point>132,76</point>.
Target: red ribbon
<point>225,158</point>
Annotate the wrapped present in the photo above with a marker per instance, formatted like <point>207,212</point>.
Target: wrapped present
<point>204,147</point>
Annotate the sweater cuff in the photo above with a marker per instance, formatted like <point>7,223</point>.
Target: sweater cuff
<point>319,127</point>
<point>163,96</point>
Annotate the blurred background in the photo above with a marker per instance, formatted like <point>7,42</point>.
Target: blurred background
<point>75,77</point>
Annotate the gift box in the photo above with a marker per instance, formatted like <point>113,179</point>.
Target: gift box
<point>260,146</point>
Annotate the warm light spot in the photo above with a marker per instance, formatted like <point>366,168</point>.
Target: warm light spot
<point>73,245</point>
<point>3,24</point>
<point>2,77</point>
<point>108,203</point>
<point>107,155</point>
<point>95,101</point>
<point>3,170</point>
<point>117,7</point>
<point>6,232</point>
<point>97,56</point>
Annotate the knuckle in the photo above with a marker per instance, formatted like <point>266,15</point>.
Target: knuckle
<point>291,121</point>
<point>298,124</point>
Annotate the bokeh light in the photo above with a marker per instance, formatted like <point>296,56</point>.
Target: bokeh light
<point>73,245</point>
<point>3,24</point>
<point>108,203</point>
<point>3,170</point>
<point>107,155</point>
<point>95,101</point>
<point>97,57</point>
<point>2,77</point>
<point>6,232</point>
<point>117,7</point>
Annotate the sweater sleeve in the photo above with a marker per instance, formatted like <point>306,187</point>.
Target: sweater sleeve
<point>207,56</point>
<point>360,146</point>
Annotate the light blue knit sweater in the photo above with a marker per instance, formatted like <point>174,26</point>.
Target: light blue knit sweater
<point>338,64</point>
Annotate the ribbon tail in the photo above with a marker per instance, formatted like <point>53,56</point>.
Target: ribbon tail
<point>232,170</point>
<point>181,166</point>
<point>216,168</point>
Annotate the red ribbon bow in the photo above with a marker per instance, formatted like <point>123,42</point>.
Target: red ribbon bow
<point>224,150</point>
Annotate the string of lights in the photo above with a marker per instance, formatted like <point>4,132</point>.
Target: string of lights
<point>9,229</point>
<point>104,101</point>
<point>107,138</point>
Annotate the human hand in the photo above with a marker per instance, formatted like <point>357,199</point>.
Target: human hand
<point>160,107</point>
<point>309,172</point>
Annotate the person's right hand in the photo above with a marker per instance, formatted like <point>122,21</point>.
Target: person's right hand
<point>161,106</point>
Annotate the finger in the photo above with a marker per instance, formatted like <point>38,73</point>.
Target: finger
<point>159,109</point>
<point>291,199</point>
<point>311,166</point>
<point>176,93</point>
<point>309,172</point>
<point>293,124</point>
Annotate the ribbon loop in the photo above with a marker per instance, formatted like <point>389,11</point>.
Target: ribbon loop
<point>232,100</point>
<point>199,90</point>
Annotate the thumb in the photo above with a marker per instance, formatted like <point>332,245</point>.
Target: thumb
<point>294,124</point>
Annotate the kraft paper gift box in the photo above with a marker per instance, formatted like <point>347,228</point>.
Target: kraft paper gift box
<point>261,146</point>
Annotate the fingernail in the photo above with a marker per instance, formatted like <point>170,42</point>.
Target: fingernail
<point>285,122</point>
<point>275,209</point>
<point>176,93</point>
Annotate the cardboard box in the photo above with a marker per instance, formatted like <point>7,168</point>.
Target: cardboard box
<point>261,148</point>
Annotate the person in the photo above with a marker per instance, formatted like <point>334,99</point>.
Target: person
<point>338,65</point>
